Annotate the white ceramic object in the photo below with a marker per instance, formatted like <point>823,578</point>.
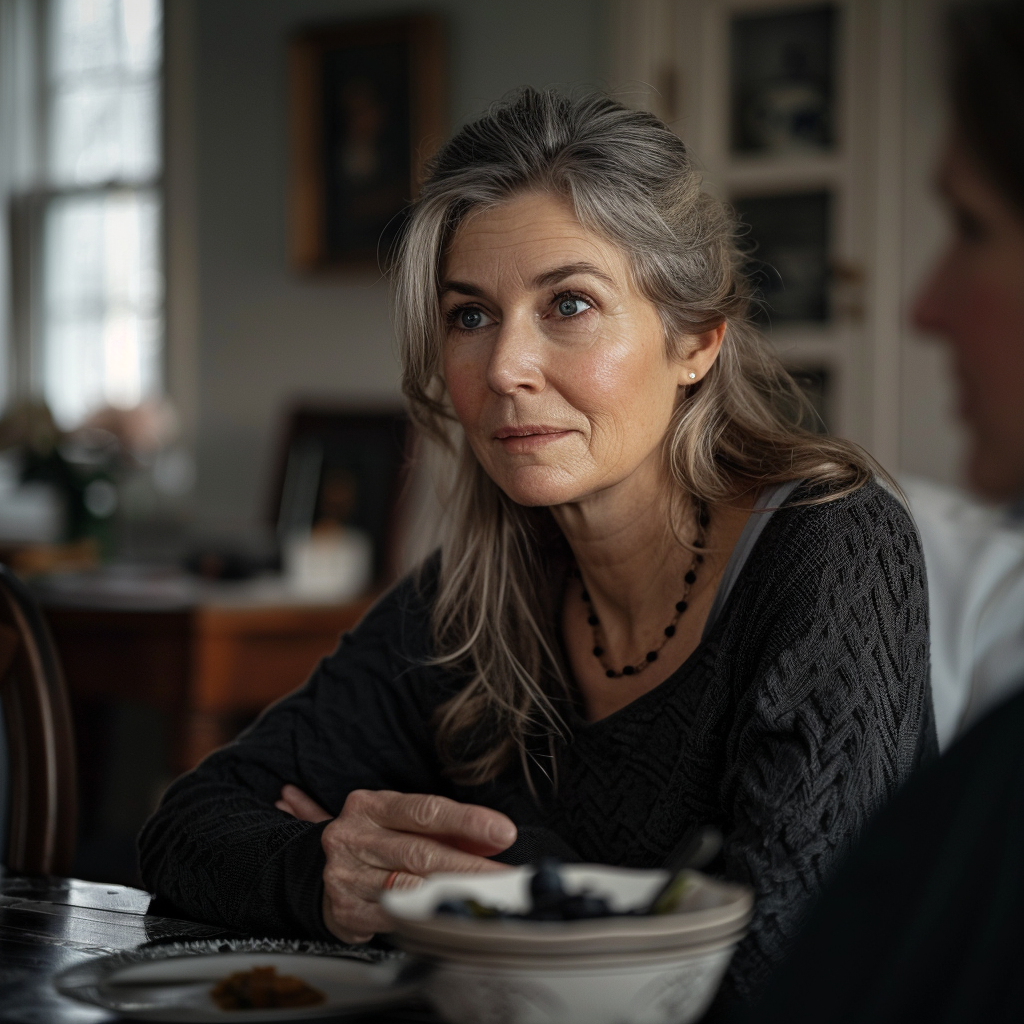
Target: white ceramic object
<point>710,910</point>
<point>336,565</point>
<point>667,988</point>
<point>662,969</point>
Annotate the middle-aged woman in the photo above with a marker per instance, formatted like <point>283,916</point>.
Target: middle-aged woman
<point>660,604</point>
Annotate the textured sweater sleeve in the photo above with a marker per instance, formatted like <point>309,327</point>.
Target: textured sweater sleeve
<point>219,850</point>
<point>837,713</point>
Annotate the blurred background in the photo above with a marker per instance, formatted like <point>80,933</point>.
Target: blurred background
<point>204,467</point>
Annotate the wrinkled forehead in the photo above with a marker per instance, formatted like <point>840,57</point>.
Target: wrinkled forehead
<point>523,237</point>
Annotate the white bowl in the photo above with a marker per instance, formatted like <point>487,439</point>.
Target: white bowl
<point>646,988</point>
<point>709,910</point>
<point>662,969</point>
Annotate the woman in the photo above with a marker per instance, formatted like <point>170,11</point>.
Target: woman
<point>600,660</point>
<point>924,922</point>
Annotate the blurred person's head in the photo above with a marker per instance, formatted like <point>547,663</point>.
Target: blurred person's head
<point>975,295</point>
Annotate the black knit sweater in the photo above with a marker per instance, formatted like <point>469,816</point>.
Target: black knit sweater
<point>801,712</point>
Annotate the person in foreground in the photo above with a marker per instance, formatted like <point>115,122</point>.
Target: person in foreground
<point>660,604</point>
<point>924,921</point>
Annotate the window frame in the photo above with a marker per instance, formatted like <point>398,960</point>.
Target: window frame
<point>28,209</point>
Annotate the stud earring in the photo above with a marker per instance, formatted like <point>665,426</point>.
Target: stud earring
<point>693,376</point>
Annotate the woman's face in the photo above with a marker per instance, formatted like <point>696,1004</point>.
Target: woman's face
<point>975,299</point>
<point>556,365</point>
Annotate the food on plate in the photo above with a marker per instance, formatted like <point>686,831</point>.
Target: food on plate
<point>262,988</point>
<point>550,902</point>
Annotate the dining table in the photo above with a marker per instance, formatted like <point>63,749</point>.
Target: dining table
<point>50,924</point>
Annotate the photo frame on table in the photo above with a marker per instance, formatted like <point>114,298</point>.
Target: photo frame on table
<point>367,111</point>
<point>783,71</point>
<point>344,467</point>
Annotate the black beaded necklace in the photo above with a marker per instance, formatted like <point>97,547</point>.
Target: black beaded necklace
<point>703,519</point>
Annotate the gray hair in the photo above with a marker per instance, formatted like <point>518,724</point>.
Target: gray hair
<point>631,180</point>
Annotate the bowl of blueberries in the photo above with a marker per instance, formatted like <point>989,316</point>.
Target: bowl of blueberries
<point>555,943</point>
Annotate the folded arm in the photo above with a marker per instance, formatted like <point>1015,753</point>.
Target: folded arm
<point>355,741</point>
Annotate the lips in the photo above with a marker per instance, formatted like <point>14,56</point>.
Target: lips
<point>527,431</point>
<point>529,438</point>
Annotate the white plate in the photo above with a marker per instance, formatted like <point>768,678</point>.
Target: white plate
<point>173,984</point>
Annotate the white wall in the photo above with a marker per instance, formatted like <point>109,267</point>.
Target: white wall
<point>248,335</point>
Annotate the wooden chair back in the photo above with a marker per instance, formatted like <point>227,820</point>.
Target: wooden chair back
<point>42,780</point>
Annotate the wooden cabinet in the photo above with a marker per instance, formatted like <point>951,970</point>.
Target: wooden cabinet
<point>880,382</point>
<point>204,666</point>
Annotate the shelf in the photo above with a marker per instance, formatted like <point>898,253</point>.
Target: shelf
<point>766,175</point>
<point>811,343</point>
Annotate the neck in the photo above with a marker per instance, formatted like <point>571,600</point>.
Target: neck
<point>628,555</point>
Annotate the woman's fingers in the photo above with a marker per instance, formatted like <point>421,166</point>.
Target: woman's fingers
<point>425,855</point>
<point>467,826</point>
<point>403,880</point>
<point>381,832</point>
<point>362,855</point>
<point>296,803</point>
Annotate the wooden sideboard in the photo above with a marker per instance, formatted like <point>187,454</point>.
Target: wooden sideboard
<point>203,666</point>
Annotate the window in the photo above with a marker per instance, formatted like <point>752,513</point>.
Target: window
<point>101,300</point>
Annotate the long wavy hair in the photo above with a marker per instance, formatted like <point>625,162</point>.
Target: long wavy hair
<point>503,565</point>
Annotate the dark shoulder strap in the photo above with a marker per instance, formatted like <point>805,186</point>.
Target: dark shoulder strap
<point>768,502</point>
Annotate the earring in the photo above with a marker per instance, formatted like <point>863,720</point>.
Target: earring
<point>693,376</point>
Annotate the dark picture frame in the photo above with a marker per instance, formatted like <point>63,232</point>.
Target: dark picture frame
<point>818,385</point>
<point>789,238</point>
<point>367,112</point>
<point>783,81</point>
<point>345,466</point>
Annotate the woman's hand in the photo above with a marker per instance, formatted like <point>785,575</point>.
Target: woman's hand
<point>294,802</point>
<point>379,832</point>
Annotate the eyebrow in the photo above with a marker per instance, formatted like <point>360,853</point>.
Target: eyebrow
<point>545,280</point>
<point>550,277</point>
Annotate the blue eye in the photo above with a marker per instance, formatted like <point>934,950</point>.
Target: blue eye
<point>468,319</point>
<point>569,306</point>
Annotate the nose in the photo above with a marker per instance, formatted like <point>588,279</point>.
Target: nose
<point>516,362</point>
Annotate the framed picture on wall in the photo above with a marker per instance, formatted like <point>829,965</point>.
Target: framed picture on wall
<point>367,110</point>
<point>789,238</point>
<point>783,81</point>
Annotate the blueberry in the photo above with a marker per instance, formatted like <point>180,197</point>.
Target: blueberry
<point>546,889</point>
<point>453,908</point>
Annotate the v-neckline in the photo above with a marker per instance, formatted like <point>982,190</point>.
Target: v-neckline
<point>772,498</point>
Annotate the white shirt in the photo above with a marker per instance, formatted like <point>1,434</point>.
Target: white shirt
<point>974,556</point>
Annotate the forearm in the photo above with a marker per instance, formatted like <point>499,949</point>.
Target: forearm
<point>222,854</point>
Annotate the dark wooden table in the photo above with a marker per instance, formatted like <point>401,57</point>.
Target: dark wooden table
<point>50,924</point>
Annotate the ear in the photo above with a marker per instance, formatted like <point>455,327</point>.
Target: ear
<point>701,352</point>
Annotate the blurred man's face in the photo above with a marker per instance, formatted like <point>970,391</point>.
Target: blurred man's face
<point>975,300</point>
